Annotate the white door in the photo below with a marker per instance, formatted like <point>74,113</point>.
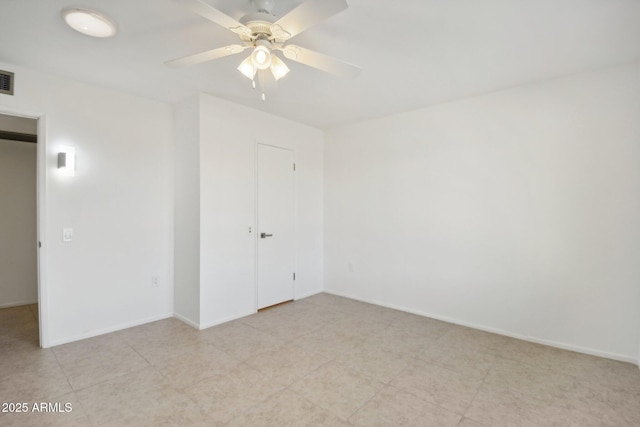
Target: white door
<point>276,231</point>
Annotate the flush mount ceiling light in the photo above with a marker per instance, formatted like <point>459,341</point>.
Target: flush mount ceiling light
<point>265,35</point>
<point>89,22</point>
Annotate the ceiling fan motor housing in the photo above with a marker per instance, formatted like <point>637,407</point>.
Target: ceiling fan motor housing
<point>260,26</point>
<point>265,6</point>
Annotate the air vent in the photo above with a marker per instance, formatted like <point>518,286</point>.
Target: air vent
<point>6,82</point>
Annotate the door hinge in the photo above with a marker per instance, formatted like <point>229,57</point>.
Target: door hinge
<point>294,276</point>
<point>294,167</point>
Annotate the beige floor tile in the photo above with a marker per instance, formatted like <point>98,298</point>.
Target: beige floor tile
<point>44,420</point>
<point>340,358</point>
<point>499,406</point>
<point>21,357</point>
<point>472,340</point>
<point>380,363</point>
<point>296,327</point>
<point>604,405</point>
<point>474,364</point>
<point>288,323</point>
<point>240,340</point>
<point>468,422</point>
<point>538,355</point>
<point>379,313</point>
<point>70,353</point>
<point>421,326</point>
<point>607,373</point>
<point>158,352</point>
<point>31,385</point>
<point>226,396</point>
<point>539,383</point>
<point>12,334</point>
<point>338,303</point>
<point>438,385</point>
<point>330,342</point>
<point>287,363</point>
<point>167,332</point>
<point>267,320</point>
<point>397,339</point>
<point>287,408</point>
<point>131,395</point>
<point>15,316</point>
<point>364,326</point>
<point>395,407</point>
<point>581,419</point>
<point>302,307</point>
<point>194,364</point>
<point>337,389</point>
<point>177,411</point>
<point>101,366</point>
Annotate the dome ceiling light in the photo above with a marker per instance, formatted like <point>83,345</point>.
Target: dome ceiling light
<point>89,22</point>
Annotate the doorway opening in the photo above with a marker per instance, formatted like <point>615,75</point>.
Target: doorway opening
<point>19,275</point>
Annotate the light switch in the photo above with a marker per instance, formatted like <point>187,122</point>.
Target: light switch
<point>67,234</point>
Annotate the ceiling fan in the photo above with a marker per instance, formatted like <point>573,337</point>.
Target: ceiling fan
<point>266,34</point>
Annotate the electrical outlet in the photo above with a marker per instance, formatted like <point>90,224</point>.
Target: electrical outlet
<point>154,282</point>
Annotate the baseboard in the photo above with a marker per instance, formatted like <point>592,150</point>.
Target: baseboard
<point>308,294</point>
<point>563,346</point>
<point>225,320</point>
<point>99,332</point>
<point>17,304</point>
<point>187,321</point>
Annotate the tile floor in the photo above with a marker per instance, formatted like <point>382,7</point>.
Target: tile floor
<point>324,360</point>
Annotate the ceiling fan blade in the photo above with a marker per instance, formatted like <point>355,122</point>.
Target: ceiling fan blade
<point>208,55</point>
<point>211,13</point>
<point>321,61</point>
<point>305,16</point>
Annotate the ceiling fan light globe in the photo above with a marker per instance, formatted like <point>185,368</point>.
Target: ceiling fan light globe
<point>278,68</point>
<point>261,57</point>
<point>247,68</point>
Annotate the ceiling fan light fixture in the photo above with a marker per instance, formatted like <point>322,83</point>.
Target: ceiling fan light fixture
<point>278,68</point>
<point>247,68</point>
<point>261,55</point>
<point>89,22</point>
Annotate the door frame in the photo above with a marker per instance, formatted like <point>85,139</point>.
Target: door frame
<point>41,187</point>
<point>256,236</point>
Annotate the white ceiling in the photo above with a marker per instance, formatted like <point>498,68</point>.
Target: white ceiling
<point>413,53</point>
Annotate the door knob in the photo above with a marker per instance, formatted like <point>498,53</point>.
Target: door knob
<point>263,235</point>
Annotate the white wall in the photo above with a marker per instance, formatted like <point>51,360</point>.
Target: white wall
<point>516,211</point>
<point>228,136</point>
<point>120,205</point>
<point>187,211</point>
<point>18,237</point>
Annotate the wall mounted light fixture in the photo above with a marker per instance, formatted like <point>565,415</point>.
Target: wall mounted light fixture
<point>67,161</point>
